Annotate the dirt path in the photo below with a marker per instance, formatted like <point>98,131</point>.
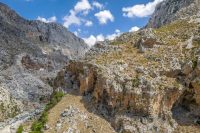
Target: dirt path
<point>76,118</point>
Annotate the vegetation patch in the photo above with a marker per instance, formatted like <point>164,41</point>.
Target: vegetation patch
<point>194,63</point>
<point>38,125</point>
<point>20,129</point>
<point>175,32</point>
<point>135,82</point>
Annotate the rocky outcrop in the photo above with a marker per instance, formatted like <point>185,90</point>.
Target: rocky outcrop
<point>134,97</point>
<point>31,54</point>
<point>146,81</point>
<point>153,91</point>
<point>36,38</point>
<point>171,10</point>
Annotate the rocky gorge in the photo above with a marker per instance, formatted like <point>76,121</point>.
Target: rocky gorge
<point>142,82</point>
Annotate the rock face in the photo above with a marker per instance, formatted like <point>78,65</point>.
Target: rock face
<point>171,10</point>
<point>31,53</point>
<point>36,38</point>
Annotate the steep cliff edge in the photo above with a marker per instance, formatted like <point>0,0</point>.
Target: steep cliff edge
<point>31,53</point>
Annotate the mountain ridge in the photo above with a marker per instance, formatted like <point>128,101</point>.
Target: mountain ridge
<point>31,53</point>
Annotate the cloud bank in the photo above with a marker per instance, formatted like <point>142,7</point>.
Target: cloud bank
<point>141,10</point>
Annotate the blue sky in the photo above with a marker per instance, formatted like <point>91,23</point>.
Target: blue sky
<point>92,20</point>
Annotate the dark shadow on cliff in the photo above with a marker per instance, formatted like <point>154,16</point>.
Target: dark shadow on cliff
<point>186,111</point>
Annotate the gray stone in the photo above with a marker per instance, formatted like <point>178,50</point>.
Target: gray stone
<point>178,9</point>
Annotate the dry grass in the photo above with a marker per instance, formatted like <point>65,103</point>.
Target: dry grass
<point>175,32</point>
<point>129,54</point>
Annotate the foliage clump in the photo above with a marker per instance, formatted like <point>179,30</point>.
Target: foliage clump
<point>20,129</point>
<point>39,124</point>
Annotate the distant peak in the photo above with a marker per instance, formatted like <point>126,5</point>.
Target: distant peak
<point>171,10</point>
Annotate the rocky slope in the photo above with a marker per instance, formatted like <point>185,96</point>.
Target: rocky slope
<point>31,53</point>
<point>171,10</point>
<point>142,82</point>
<point>146,81</point>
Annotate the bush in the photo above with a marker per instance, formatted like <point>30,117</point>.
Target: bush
<point>135,82</point>
<point>20,129</point>
<point>194,61</point>
<point>39,124</point>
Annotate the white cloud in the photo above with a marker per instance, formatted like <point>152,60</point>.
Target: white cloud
<point>76,33</point>
<point>140,10</point>
<point>52,19</point>
<point>82,5</point>
<point>100,37</point>
<point>117,31</point>
<point>90,40</point>
<point>97,5</point>
<point>71,19</point>
<point>104,16</point>
<point>133,29</point>
<point>75,17</point>
<point>88,23</point>
<point>114,35</point>
<point>81,9</point>
<point>48,20</point>
<point>79,30</point>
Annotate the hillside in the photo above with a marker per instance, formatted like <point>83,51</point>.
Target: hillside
<point>31,54</point>
<point>146,81</point>
<point>141,82</point>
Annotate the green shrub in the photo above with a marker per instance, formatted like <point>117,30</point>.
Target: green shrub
<point>39,124</point>
<point>20,129</point>
<point>135,82</point>
<point>194,61</point>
